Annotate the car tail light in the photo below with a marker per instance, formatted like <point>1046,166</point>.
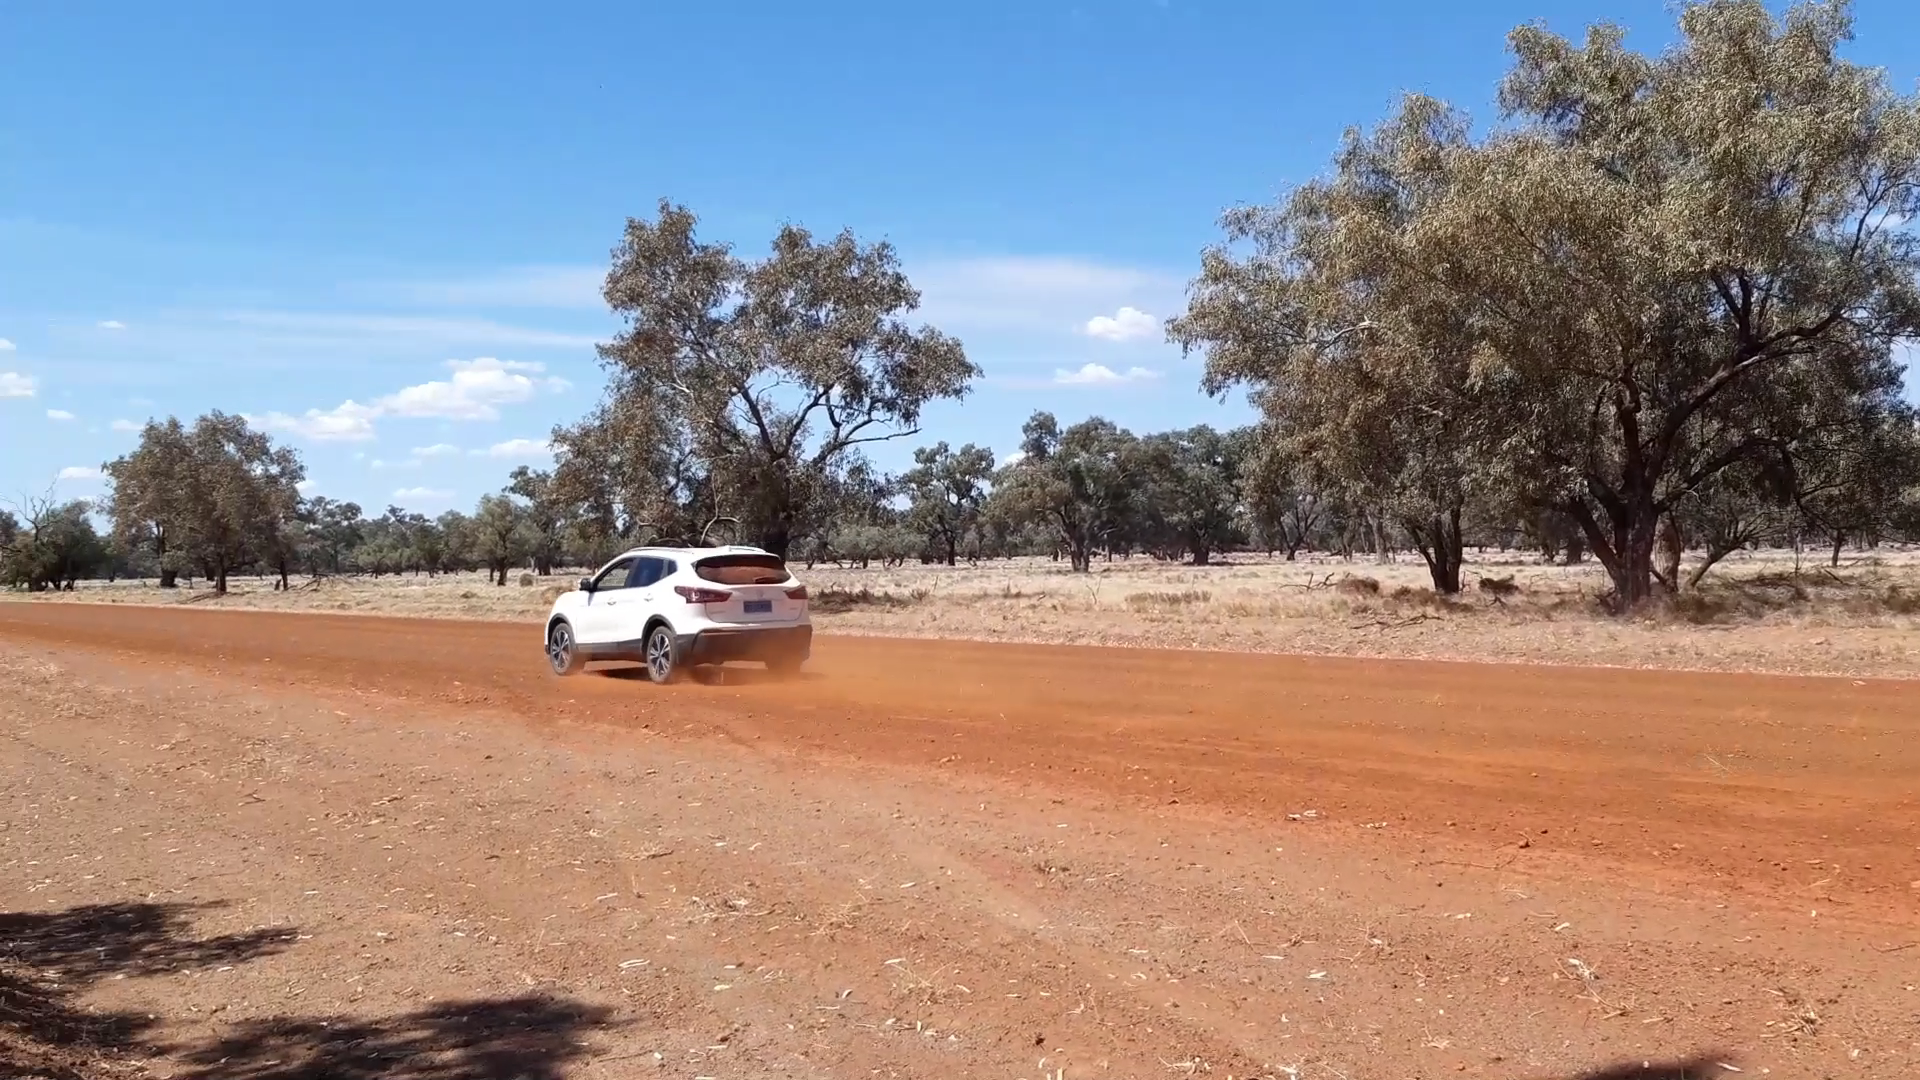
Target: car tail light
<point>693,595</point>
<point>798,592</point>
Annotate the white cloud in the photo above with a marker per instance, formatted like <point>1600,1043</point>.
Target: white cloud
<point>422,494</point>
<point>436,450</point>
<point>475,392</point>
<point>59,414</point>
<point>79,472</point>
<point>112,324</point>
<point>348,421</point>
<point>14,384</point>
<point>520,449</point>
<point>124,425</point>
<point>7,346</point>
<point>1101,375</point>
<point>411,463</point>
<point>305,486</point>
<point>1014,458</point>
<point>1127,324</point>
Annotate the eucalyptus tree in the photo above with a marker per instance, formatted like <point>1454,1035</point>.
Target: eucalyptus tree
<point>1671,257</point>
<point>1661,268</point>
<point>548,515</point>
<point>947,488</point>
<point>1083,482</point>
<point>147,503</point>
<point>1361,363</point>
<point>1191,487</point>
<point>218,496</point>
<point>500,536</point>
<point>775,371</point>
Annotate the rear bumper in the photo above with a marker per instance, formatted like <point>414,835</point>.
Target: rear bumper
<point>768,643</point>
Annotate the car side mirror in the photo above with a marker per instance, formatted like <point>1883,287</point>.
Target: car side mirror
<point>586,584</point>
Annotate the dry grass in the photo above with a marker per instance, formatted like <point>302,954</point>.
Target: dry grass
<point>1756,612</point>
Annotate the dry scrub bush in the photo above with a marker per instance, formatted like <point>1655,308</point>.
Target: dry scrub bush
<point>1165,601</point>
<point>839,599</point>
<point>1358,585</point>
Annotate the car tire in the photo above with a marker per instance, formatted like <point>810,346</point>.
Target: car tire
<point>563,652</point>
<point>661,655</point>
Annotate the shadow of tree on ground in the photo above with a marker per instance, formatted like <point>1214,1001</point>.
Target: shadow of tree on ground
<point>1696,1068</point>
<point>47,959</point>
<point>525,1038</point>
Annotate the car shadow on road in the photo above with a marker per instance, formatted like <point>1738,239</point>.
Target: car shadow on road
<point>1695,1068</point>
<point>49,960</point>
<point>715,676</point>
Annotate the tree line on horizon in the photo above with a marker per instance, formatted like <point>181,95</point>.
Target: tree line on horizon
<point>1654,311</point>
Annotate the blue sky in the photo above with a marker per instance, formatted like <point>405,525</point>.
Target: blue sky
<point>276,211</point>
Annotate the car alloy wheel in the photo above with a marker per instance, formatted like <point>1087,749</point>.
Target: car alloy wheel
<point>660,656</point>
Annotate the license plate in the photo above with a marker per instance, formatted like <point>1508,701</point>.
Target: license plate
<point>759,607</point>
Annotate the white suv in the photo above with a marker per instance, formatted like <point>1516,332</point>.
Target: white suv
<point>675,608</point>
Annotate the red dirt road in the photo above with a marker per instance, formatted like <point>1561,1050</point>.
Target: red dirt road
<point>1145,863</point>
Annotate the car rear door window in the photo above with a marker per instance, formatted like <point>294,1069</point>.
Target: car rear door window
<point>648,571</point>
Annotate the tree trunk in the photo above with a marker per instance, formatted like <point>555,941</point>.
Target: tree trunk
<point>1839,541</point>
<point>1080,556</point>
<point>1671,545</point>
<point>1715,552</point>
<point>1624,546</point>
<point>169,579</point>
<point>953,550</point>
<point>1201,554</point>
<point>1576,550</point>
<point>1442,547</point>
<point>777,537</point>
<point>220,580</point>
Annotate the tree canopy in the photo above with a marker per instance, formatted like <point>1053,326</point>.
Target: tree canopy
<point>762,378</point>
<point>1660,268</point>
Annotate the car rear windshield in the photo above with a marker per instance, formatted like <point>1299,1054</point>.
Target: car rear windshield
<point>743,569</point>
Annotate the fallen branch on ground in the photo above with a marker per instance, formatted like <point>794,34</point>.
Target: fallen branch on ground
<point>1395,624</point>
